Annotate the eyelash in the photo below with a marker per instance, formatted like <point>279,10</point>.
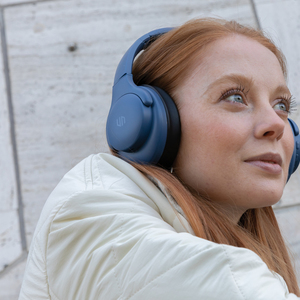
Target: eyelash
<point>289,101</point>
<point>238,90</point>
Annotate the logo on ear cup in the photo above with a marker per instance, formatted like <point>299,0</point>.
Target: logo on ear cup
<point>128,123</point>
<point>121,121</point>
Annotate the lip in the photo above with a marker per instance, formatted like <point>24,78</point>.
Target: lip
<point>269,162</point>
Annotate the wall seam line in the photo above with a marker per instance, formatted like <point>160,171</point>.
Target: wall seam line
<point>27,3</point>
<point>12,130</point>
<point>254,10</point>
<point>15,263</point>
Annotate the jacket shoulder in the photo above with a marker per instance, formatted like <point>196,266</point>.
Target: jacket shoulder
<point>97,178</point>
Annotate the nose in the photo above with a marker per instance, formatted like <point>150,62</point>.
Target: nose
<point>269,125</point>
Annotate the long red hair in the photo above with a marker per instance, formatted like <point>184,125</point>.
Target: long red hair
<point>166,63</point>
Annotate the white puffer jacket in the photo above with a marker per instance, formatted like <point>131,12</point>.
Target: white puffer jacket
<point>107,232</point>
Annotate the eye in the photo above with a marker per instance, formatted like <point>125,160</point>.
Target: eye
<point>286,104</point>
<point>235,98</point>
<point>281,106</point>
<point>235,95</point>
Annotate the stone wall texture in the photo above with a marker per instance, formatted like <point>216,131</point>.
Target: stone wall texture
<point>54,101</point>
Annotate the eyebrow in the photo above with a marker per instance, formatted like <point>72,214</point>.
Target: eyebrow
<point>244,81</point>
<point>234,78</point>
<point>282,89</point>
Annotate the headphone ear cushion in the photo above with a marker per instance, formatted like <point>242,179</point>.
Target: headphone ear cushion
<point>173,128</point>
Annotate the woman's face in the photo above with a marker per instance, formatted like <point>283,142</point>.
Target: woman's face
<point>236,141</point>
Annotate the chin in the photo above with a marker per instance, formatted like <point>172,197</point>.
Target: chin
<point>268,198</point>
<point>269,190</point>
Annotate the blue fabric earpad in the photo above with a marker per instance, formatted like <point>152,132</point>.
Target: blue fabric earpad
<point>173,129</point>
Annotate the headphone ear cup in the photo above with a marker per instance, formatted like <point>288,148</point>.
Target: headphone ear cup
<point>145,134</point>
<point>296,154</point>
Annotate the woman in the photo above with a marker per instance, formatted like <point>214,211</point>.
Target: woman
<point>200,224</point>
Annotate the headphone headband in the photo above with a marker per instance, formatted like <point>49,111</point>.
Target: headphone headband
<point>125,65</point>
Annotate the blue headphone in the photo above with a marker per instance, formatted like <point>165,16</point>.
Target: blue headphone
<point>143,124</point>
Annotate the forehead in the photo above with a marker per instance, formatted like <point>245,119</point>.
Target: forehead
<point>237,54</point>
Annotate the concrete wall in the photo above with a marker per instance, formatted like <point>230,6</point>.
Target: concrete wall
<point>54,101</point>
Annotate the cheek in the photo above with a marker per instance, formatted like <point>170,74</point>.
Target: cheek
<point>210,146</point>
<point>219,135</point>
